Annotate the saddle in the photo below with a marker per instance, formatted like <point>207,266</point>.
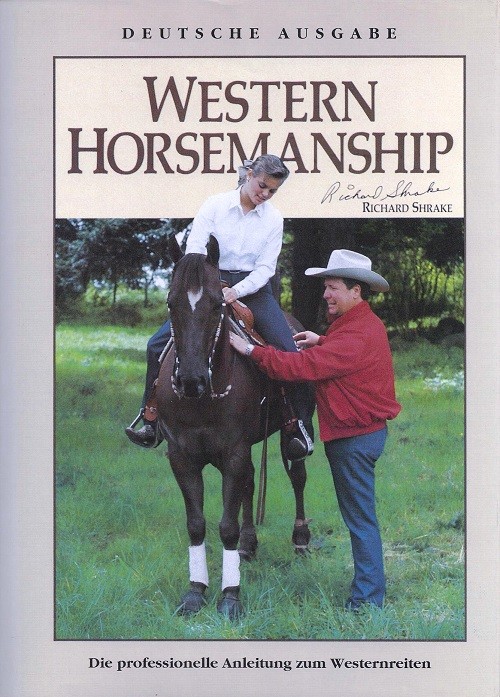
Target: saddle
<point>242,316</point>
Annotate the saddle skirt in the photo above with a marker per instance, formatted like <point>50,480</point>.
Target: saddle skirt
<point>242,316</point>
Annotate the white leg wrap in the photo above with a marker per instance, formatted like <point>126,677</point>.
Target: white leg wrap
<point>230,568</point>
<point>198,570</point>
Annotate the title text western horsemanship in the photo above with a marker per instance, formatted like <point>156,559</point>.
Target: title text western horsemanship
<point>221,151</point>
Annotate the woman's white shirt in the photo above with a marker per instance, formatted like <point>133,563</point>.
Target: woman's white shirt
<point>248,241</point>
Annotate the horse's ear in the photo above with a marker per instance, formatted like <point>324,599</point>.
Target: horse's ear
<point>213,251</point>
<point>174,249</point>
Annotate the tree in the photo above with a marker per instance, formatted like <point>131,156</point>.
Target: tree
<point>313,241</point>
<point>109,252</point>
<point>69,283</point>
<point>421,258</point>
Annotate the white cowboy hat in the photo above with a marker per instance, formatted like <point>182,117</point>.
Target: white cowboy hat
<point>346,264</point>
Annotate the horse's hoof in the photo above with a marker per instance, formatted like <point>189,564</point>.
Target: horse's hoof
<point>230,604</point>
<point>247,554</point>
<point>192,602</point>
<point>301,536</point>
<point>302,550</point>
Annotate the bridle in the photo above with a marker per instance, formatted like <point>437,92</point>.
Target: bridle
<point>213,394</point>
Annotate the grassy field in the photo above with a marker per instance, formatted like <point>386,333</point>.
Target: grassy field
<point>121,542</point>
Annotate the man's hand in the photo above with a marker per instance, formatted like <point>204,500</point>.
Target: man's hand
<point>306,338</point>
<point>238,343</point>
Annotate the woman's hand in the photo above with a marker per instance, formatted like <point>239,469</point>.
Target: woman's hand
<point>238,343</point>
<point>229,295</point>
<point>306,338</point>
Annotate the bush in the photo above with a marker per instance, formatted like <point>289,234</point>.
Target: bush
<point>419,288</point>
<point>96,308</point>
<point>123,314</point>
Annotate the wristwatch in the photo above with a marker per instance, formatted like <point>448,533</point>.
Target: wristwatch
<point>248,349</point>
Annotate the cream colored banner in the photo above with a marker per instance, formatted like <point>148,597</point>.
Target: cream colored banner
<point>362,136</point>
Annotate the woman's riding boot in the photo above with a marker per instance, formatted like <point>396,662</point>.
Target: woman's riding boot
<point>149,436</point>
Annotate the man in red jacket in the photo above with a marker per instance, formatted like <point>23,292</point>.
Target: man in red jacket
<point>351,367</point>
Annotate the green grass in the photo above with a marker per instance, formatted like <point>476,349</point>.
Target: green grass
<point>121,541</point>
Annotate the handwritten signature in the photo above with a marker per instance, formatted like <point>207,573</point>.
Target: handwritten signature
<point>403,189</point>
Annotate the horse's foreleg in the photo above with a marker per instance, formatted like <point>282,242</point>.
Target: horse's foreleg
<point>191,486</point>
<point>248,536</point>
<point>234,479</point>
<point>301,534</point>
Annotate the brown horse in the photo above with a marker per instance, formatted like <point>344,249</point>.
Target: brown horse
<point>210,411</point>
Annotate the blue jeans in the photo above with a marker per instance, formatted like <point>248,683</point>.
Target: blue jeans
<point>269,322</point>
<point>352,462</point>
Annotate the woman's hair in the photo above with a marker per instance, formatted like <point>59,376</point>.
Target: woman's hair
<point>365,288</point>
<point>264,164</point>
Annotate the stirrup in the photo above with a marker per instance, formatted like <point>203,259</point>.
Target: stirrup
<point>137,419</point>
<point>133,435</point>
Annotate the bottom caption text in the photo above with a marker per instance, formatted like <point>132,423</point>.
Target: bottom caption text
<point>205,662</point>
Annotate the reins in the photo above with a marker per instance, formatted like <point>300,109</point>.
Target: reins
<point>261,498</point>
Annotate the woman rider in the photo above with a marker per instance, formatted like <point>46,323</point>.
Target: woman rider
<point>249,230</point>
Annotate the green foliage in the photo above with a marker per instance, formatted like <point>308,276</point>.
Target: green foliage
<point>286,294</point>
<point>107,253</point>
<point>419,288</point>
<point>121,541</point>
<point>424,264</point>
<point>69,284</point>
<point>423,260</point>
<point>96,308</point>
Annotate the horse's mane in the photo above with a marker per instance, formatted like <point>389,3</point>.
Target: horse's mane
<point>190,271</point>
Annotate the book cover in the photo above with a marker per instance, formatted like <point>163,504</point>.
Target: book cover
<point>119,120</point>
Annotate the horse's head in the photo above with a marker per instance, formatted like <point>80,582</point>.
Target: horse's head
<point>196,310</point>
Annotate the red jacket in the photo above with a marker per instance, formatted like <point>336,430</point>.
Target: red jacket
<point>351,367</point>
